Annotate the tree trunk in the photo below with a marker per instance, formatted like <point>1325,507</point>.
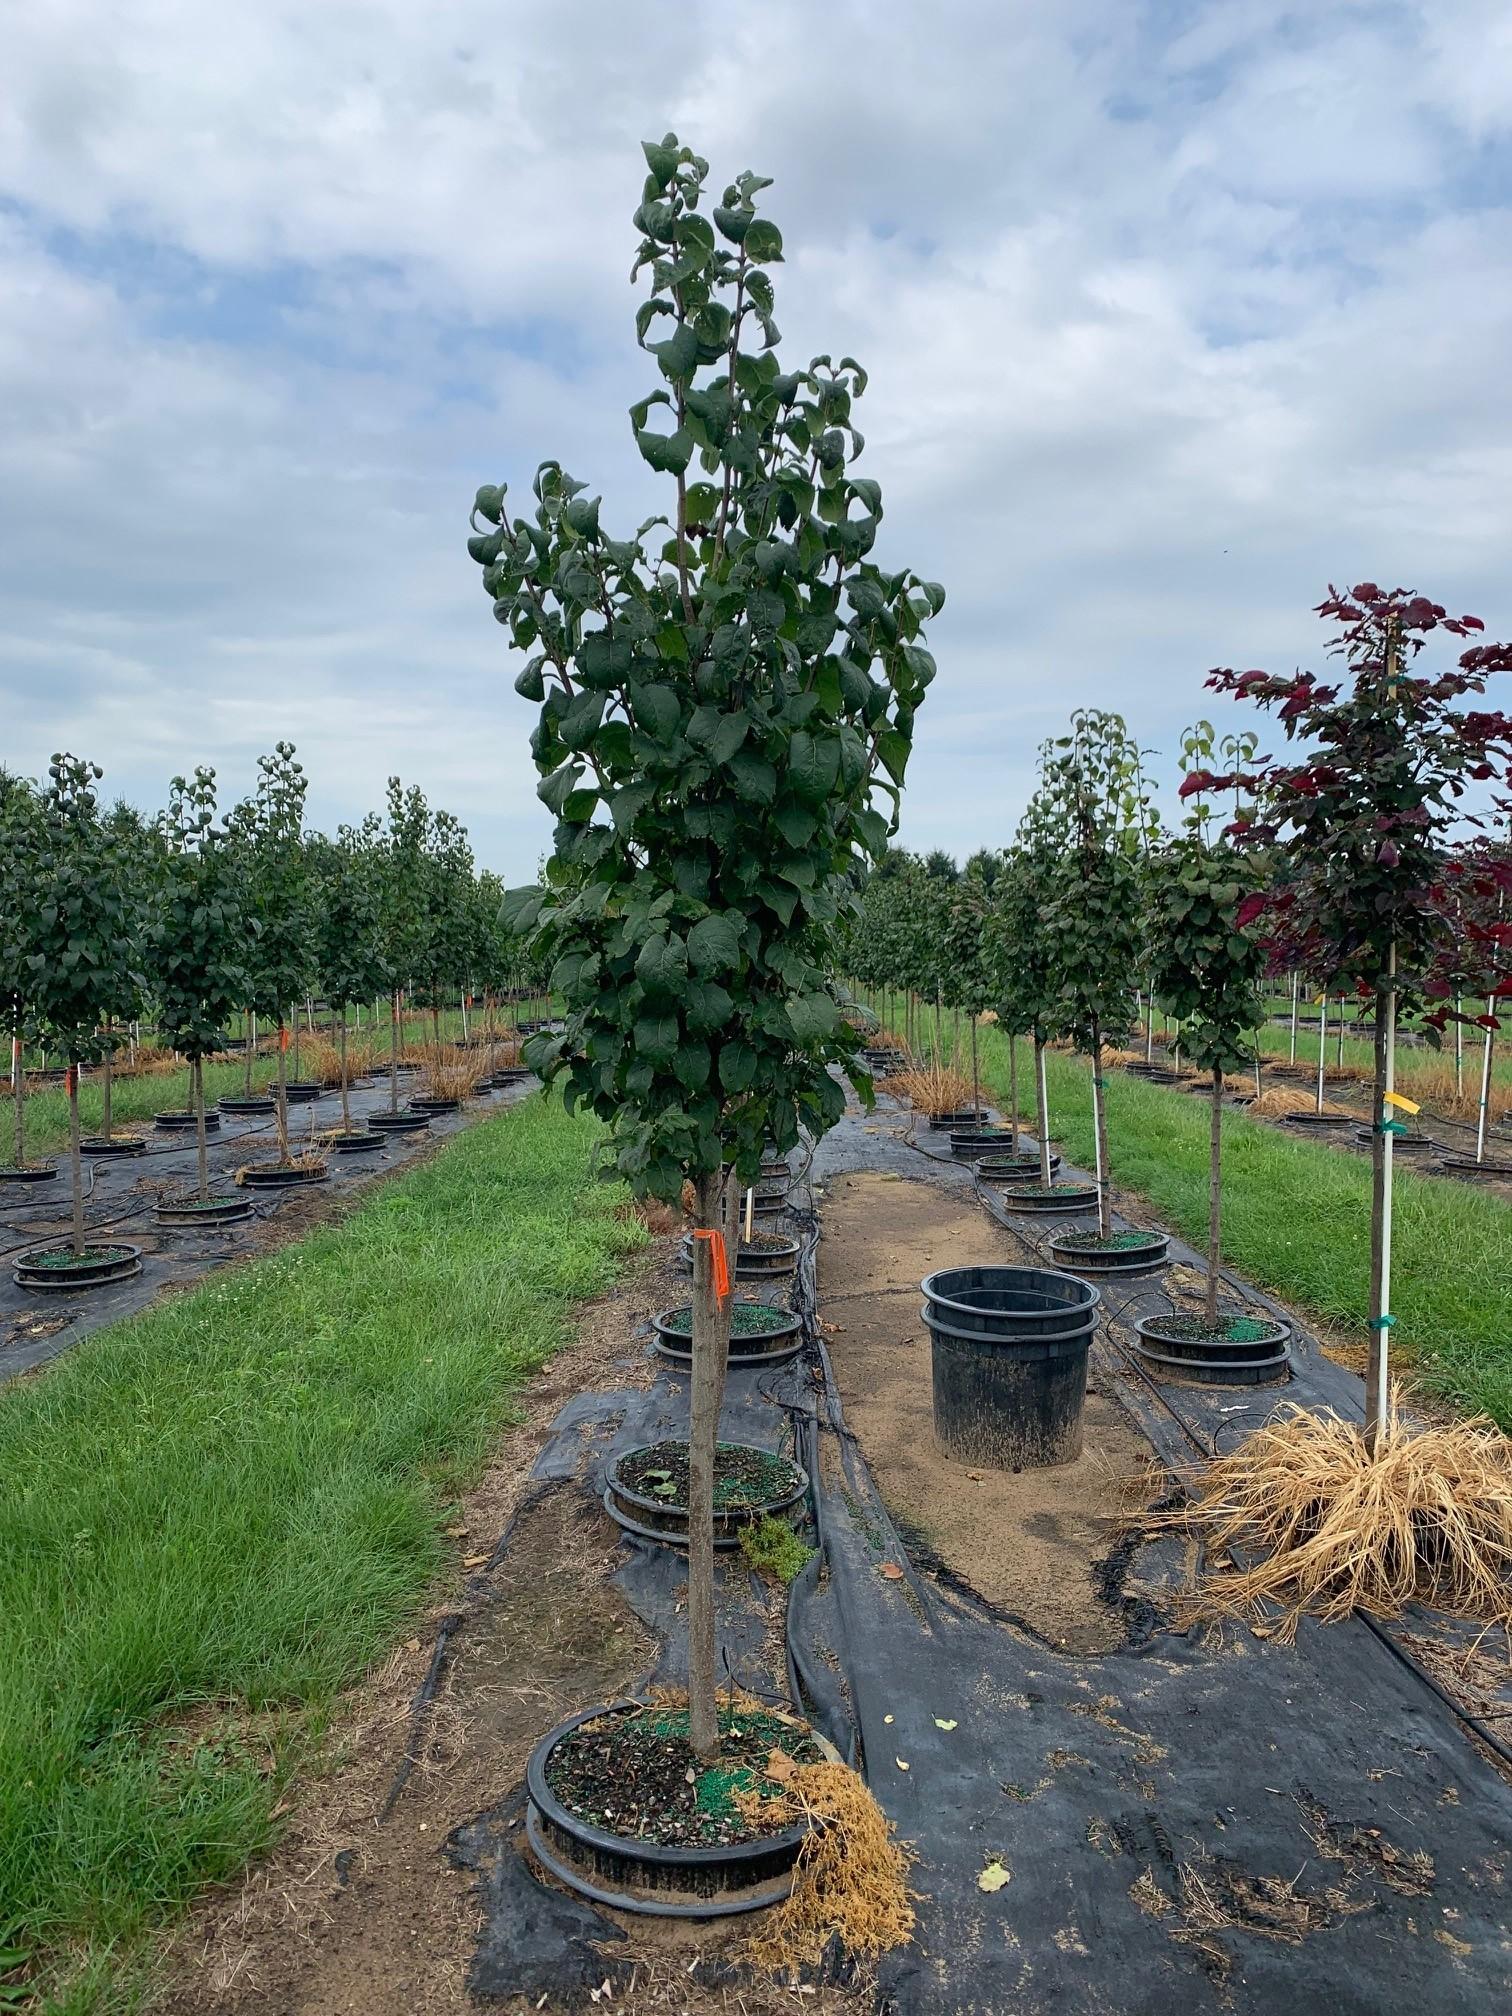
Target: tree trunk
<point>1376,1385</point>
<point>1296,990</point>
<point>711,1334</point>
<point>75,1165</point>
<point>436,1028</point>
<point>296,1039</point>
<point>1013,1112</point>
<point>106,1066</point>
<point>346,1097</point>
<point>939,1034</point>
<point>1100,1135</point>
<point>955,1037</point>
<point>249,1045</point>
<point>1322,1045</point>
<point>1215,1199</point>
<point>394,1051</point>
<point>976,1089</point>
<point>202,1152</point>
<point>281,1094</point>
<point>1483,1116</point>
<point>18,1097</point>
<point>1042,1106</point>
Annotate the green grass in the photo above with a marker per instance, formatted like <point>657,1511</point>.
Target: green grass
<point>215,1516</point>
<point>1297,1221</point>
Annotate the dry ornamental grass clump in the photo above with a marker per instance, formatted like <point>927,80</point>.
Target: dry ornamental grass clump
<point>453,1073</point>
<point>851,1879</point>
<point>932,1089</point>
<point>1279,1100</point>
<point>1323,1529</point>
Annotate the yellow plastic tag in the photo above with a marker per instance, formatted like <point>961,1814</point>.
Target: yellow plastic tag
<point>1403,1105</point>
<point>1319,999</point>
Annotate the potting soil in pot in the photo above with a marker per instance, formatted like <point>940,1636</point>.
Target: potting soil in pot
<point>636,1775</point>
<point>742,1477</point>
<point>1230,1330</point>
<point>747,1319</point>
<point>1115,1242</point>
<point>64,1258</point>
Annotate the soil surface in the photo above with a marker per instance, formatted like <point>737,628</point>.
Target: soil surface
<point>1031,1544</point>
<point>747,1319</point>
<point>743,1477</point>
<point>637,1776</point>
<point>63,1260</point>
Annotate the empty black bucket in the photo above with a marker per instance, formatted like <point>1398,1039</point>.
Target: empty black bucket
<point>1008,1348</point>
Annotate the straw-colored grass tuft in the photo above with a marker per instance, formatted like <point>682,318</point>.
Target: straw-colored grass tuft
<point>1278,1100</point>
<point>321,1060</point>
<point>851,1877</point>
<point>932,1089</point>
<point>1321,1529</point>
<point>454,1073</point>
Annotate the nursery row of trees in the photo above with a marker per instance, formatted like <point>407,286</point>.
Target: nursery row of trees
<point>1355,861</point>
<point>197,917</point>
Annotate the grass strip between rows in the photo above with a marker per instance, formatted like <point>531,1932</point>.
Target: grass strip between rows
<point>213,1517</point>
<point>1297,1220</point>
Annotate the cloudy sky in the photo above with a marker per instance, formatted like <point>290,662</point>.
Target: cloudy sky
<point>1174,311</point>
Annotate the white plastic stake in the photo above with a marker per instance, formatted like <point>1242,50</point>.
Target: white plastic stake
<point>1322,1044</point>
<point>1388,1111</point>
<point>1296,990</point>
<point>1485,1089</point>
<point>750,1212</point>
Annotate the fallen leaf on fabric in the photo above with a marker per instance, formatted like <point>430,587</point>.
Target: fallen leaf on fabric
<point>900,1764</point>
<point>891,1571</point>
<point>473,1560</point>
<point>993,1877</point>
<point>887,1718</point>
<point>780,1766</point>
<point>939,1724</point>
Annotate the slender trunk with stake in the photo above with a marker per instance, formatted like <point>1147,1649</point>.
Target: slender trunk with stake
<point>249,1045</point>
<point>1377,1390</point>
<point>1215,1198</point>
<point>394,1051</point>
<point>105,1083</point>
<point>76,1167</point>
<point>976,1092</point>
<point>346,1096</point>
<point>1042,1105</point>
<point>1150,1026</point>
<point>1339,1047</point>
<point>1483,1115</point>
<point>18,1101</point>
<point>202,1151</point>
<point>281,1094</point>
<point>1013,1112</point>
<point>711,1332</point>
<point>939,1037</point>
<point>1322,1044</point>
<point>1459,1050</point>
<point>1296,990</point>
<point>1100,1135</point>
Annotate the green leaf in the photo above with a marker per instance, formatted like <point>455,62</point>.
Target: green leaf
<point>656,1038</point>
<point>678,355</point>
<point>814,1018</point>
<point>892,750</point>
<point>755,780</point>
<point>737,1066</point>
<point>813,765</point>
<point>661,160</point>
<point>529,684</point>
<point>657,709</point>
<point>554,791</point>
<point>714,943</point>
<point>626,805</point>
<point>763,241</point>
<point>707,1006</point>
<point>733,223</point>
<point>717,733</point>
<point>795,825</point>
<point>670,453</point>
<point>662,966</point>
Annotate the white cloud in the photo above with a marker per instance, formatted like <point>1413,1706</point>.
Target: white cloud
<point>1168,324</point>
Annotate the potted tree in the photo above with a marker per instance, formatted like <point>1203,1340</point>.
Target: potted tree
<point>1474,899</point>
<point>1207,964</point>
<point>1095,822</point>
<point>448,938</point>
<point>199,927</point>
<point>349,937</point>
<point>968,988</point>
<point>403,943</point>
<point>716,710</point>
<point>82,941</point>
<point>20,851</point>
<point>279,896</point>
<point>1357,824</point>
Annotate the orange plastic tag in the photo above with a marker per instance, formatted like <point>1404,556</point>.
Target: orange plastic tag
<point>283,1036</point>
<point>71,1080</point>
<point>720,1259</point>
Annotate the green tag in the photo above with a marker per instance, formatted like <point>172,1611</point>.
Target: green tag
<point>1383,1322</point>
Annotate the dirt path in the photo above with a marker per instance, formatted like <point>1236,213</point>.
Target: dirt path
<point>1031,1544</point>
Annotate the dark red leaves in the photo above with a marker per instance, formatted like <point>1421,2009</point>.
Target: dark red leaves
<point>1195,781</point>
<point>1251,908</point>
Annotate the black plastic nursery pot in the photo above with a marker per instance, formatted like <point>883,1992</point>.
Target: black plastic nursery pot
<point>184,1123</point>
<point>431,1105</point>
<point>1405,1144</point>
<point>1318,1120</point>
<point>767,1255</point>
<point>256,1106</point>
<point>102,1147</point>
<point>36,1172</point>
<point>1021,1168</point>
<point>1008,1355</point>
<point>959,1121</point>
<point>355,1144</point>
<point>648,1877</point>
<point>403,1122</point>
<point>770,1336</point>
<point>302,1092</point>
<point>283,1175</point>
<point>512,1074</point>
<point>644,1485</point>
<point>1247,1351</point>
<point>1452,1165</point>
<point>1034,1198</point>
<point>190,1213</point>
<point>56,1270</point>
<point>1121,1255</point>
<point>967,1145</point>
